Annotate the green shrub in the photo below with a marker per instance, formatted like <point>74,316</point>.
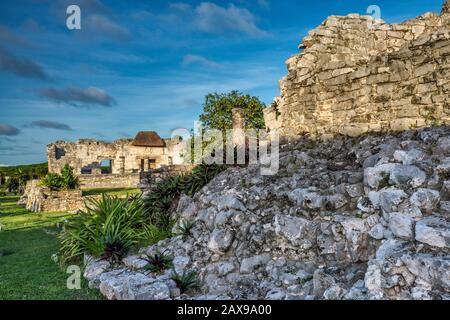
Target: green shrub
<point>152,234</point>
<point>15,178</point>
<point>107,228</point>
<point>12,184</point>
<point>52,181</point>
<point>66,180</point>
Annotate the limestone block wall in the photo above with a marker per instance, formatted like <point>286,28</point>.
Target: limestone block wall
<point>354,76</point>
<point>85,154</point>
<point>109,181</point>
<point>41,199</point>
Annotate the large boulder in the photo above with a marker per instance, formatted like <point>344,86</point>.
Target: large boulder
<point>434,231</point>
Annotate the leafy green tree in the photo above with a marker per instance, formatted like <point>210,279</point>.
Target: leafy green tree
<point>12,184</point>
<point>217,110</point>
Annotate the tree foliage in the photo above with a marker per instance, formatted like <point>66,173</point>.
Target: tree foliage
<point>66,180</point>
<point>13,179</point>
<point>217,110</point>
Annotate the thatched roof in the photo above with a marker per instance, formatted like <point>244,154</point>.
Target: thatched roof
<point>148,139</point>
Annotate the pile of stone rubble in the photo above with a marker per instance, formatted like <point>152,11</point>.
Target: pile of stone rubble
<point>344,218</point>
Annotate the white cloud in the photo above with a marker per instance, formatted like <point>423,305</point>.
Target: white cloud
<point>101,24</point>
<point>212,18</point>
<point>196,59</point>
<point>180,6</point>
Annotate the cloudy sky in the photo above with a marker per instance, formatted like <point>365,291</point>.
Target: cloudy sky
<point>145,65</point>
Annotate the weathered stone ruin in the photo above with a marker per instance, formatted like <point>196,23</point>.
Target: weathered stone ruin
<point>124,163</point>
<point>362,217</point>
<point>146,151</point>
<point>125,159</point>
<point>345,218</point>
<point>357,75</point>
<point>41,199</point>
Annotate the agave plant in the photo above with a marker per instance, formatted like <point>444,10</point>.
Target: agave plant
<point>186,281</point>
<point>159,202</point>
<point>159,262</point>
<point>184,228</point>
<point>161,199</point>
<point>108,227</point>
<point>68,180</point>
<point>133,197</point>
<point>201,176</point>
<point>115,249</point>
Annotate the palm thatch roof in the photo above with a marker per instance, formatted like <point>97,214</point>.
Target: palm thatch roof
<point>148,139</point>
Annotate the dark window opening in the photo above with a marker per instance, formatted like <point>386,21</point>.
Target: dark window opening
<point>59,153</point>
<point>86,170</point>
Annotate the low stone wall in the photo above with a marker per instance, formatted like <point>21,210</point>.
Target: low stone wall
<point>149,179</point>
<point>92,181</point>
<point>42,199</point>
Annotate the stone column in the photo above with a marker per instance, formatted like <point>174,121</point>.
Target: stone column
<point>238,127</point>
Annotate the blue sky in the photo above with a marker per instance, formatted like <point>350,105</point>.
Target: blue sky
<point>145,65</point>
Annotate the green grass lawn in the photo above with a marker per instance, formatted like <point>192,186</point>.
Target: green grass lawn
<point>111,191</point>
<point>27,242</point>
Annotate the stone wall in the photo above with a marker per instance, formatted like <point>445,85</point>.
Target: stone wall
<point>109,181</point>
<point>41,199</point>
<point>355,76</point>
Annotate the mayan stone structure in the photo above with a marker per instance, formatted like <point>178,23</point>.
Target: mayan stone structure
<point>41,199</point>
<point>357,75</point>
<point>124,156</point>
<point>102,164</point>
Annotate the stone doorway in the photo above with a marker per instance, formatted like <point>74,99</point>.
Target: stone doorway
<point>106,166</point>
<point>148,164</point>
